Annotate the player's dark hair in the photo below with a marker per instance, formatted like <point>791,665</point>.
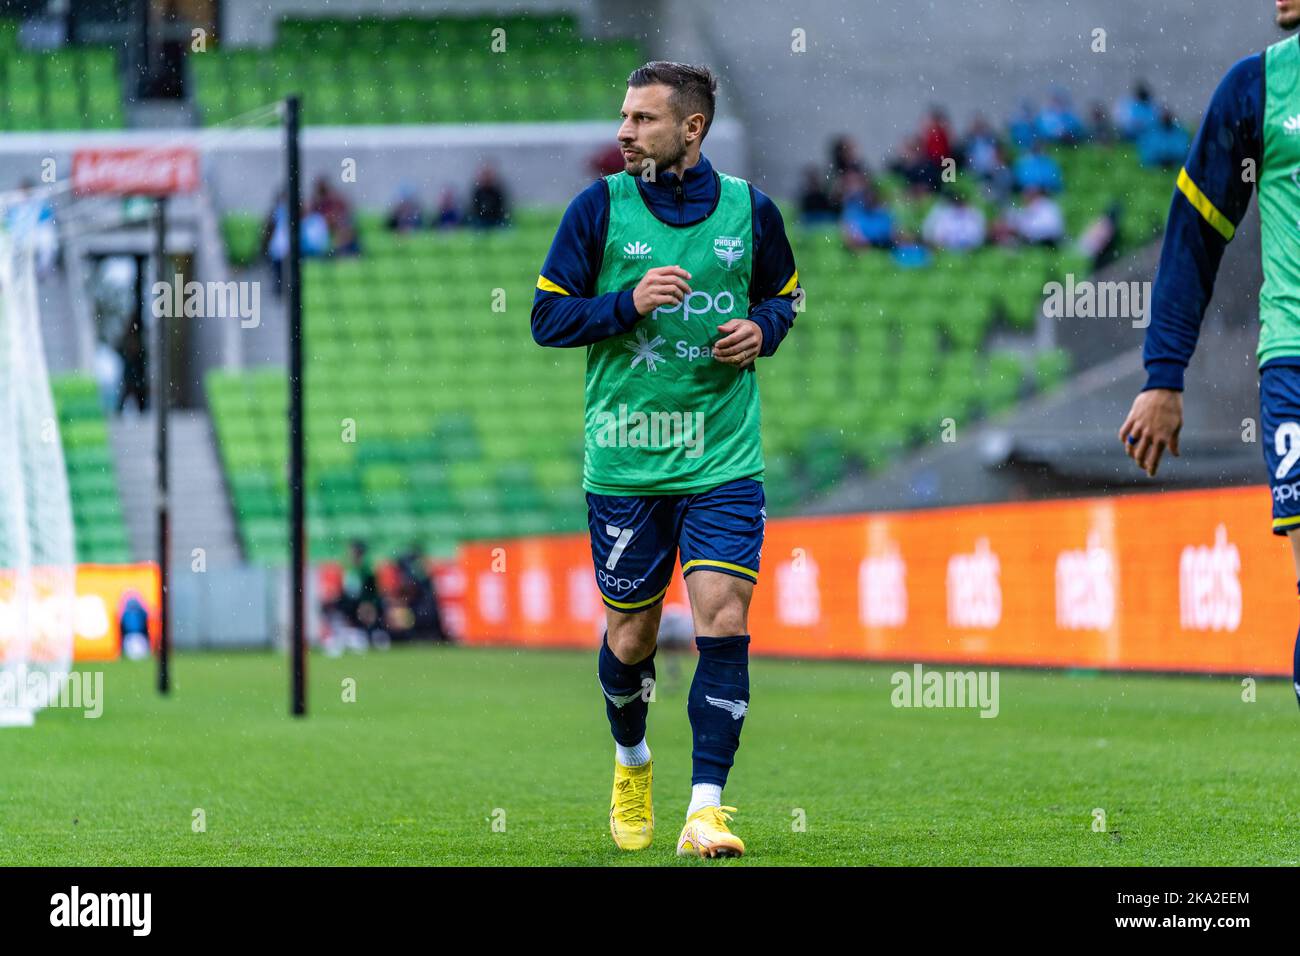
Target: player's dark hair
<point>694,88</point>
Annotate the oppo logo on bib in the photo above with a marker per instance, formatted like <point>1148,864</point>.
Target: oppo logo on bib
<point>700,303</point>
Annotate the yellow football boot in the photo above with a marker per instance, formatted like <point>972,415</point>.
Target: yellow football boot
<point>631,812</point>
<point>706,834</point>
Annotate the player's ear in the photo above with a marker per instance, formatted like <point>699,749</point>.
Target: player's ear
<point>694,127</point>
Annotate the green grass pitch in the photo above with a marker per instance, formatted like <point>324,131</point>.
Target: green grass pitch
<point>468,756</point>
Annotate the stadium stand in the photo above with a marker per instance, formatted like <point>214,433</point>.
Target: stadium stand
<point>75,88</point>
<point>464,429</point>
<point>92,482</point>
<point>377,70</point>
<point>456,427</point>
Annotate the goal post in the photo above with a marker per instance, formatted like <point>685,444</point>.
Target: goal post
<point>37,551</point>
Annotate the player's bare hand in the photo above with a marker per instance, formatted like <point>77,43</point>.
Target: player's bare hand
<point>662,285</point>
<point>742,340</point>
<point>1152,425</point>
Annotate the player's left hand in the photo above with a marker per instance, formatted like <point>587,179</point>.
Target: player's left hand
<point>742,340</point>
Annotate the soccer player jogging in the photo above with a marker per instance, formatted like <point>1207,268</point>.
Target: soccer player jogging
<point>1251,133</point>
<point>676,278</point>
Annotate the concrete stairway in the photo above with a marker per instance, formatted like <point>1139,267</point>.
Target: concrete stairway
<point>200,505</point>
<point>59,332</point>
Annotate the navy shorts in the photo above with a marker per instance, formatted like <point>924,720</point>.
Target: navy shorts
<point>1279,413</point>
<point>635,539</point>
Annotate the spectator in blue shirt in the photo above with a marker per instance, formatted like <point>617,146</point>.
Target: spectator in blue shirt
<point>910,253</point>
<point>1057,122</point>
<point>1165,144</point>
<point>1135,113</point>
<point>1021,128</point>
<point>1036,170</point>
<point>866,221</point>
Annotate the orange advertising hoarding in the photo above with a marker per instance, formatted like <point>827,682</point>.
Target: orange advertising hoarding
<point>1182,581</point>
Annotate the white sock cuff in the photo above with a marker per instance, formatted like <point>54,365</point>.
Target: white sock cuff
<point>634,756</point>
<point>704,795</point>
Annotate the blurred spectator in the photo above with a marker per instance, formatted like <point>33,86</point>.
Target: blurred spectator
<point>845,157</point>
<point>980,149</point>
<point>815,202</point>
<point>314,238</point>
<point>315,235</point>
<point>1135,113</point>
<point>1100,240</point>
<point>1021,128</point>
<point>1165,144</point>
<point>1037,220</point>
<point>954,224</point>
<point>135,379</point>
<point>359,607</point>
<point>418,596</point>
<point>996,180</point>
<point>488,207</point>
<point>406,215</point>
<point>334,209</point>
<point>914,165</point>
<point>909,252</point>
<point>1100,129</point>
<point>133,627</point>
<point>448,212</point>
<point>1057,122</point>
<point>1036,170</point>
<point>866,221</point>
<point>607,161</point>
<point>936,139</point>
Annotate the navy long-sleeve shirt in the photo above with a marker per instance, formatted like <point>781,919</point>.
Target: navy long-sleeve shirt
<point>568,313</point>
<point>1210,200</point>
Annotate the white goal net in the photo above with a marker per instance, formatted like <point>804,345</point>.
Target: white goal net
<point>37,557</point>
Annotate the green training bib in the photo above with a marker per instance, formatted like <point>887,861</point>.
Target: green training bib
<point>1279,203</point>
<point>662,415</point>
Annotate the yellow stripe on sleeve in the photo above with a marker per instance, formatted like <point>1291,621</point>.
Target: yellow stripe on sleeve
<point>790,286</point>
<point>1201,203</point>
<point>546,285</point>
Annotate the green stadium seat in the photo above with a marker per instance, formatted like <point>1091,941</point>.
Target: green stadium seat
<point>92,483</point>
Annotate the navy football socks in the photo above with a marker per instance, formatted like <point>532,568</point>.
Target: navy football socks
<point>717,704</point>
<point>627,693</point>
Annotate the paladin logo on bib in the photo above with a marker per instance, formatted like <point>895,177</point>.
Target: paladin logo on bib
<point>1292,125</point>
<point>729,250</point>
<point>636,250</point>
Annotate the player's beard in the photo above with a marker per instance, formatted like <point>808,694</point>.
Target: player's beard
<point>674,155</point>
<point>667,158</point>
<point>1288,21</point>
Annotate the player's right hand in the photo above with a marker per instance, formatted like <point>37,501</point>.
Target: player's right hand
<point>1152,425</point>
<point>662,285</point>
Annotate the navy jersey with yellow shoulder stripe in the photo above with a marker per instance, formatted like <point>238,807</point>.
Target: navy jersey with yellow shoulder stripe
<point>1211,196</point>
<point>567,310</point>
